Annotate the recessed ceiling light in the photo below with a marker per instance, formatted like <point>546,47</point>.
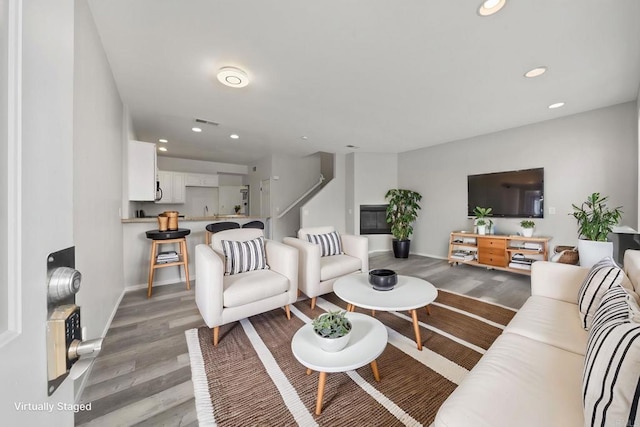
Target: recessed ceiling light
<point>556,105</point>
<point>489,7</point>
<point>304,138</point>
<point>233,77</point>
<point>162,148</point>
<point>234,136</point>
<point>196,129</point>
<point>538,71</point>
<point>163,140</point>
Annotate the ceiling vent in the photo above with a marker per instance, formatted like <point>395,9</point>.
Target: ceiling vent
<point>207,122</point>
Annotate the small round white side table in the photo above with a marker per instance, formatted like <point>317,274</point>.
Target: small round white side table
<point>368,340</point>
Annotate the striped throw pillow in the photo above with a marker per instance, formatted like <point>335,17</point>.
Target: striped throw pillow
<point>329,243</point>
<point>604,275</point>
<point>245,256</point>
<point>610,381</point>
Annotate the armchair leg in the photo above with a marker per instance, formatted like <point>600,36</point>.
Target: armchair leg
<point>313,303</point>
<point>286,308</point>
<point>216,335</point>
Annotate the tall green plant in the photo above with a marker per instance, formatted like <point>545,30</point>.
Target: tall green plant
<point>402,212</point>
<point>595,219</point>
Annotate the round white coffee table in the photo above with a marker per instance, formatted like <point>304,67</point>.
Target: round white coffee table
<point>368,340</point>
<point>410,294</point>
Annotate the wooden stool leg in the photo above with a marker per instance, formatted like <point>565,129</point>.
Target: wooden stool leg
<point>152,263</point>
<point>313,303</point>
<point>286,308</point>
<point>416,328</point>
<point>321,380</point>
<point>185,255</point>
<point>216,335</point>
<point>374,369</point>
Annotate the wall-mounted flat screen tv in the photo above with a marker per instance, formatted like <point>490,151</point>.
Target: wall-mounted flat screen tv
<point>511,194</point>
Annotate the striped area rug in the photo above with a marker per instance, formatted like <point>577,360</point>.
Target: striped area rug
<point>253,379</point>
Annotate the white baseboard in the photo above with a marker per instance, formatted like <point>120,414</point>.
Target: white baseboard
<point>155,283</point>
<point>429,255</point>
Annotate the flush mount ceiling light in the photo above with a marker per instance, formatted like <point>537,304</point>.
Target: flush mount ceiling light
<point>162,148</point>
<point>232,77</point>
<point>489,7</point>
<point>234,136</point>
<point>538,71</point>
<point>196,129</point>
<point>163,140</point>
<point>556,105</point>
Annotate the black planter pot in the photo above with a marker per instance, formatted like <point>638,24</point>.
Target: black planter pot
<point>401,248</point>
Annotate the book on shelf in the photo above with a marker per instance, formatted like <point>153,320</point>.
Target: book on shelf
<point>532,246</point>
<point>521,259</point>
<point>463,255</point>
<point>520,266</point>
<point>165,257</point>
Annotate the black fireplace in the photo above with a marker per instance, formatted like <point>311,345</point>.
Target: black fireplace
<point>373,219</point>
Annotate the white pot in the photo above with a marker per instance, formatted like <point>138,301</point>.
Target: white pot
<point>527,232</point>
<point>591,252</point>
<point>333,344</point>
<point>482,229</point>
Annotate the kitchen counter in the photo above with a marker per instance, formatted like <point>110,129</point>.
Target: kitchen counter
<point>137,247</point>
<point>193,218</point>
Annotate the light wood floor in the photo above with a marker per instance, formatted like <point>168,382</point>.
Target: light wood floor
<point>142,376</point>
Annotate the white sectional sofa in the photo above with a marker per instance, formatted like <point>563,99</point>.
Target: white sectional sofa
<point>532,374</point>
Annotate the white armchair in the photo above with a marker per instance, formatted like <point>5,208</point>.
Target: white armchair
<point>316,274</point>
<point>224,299</point>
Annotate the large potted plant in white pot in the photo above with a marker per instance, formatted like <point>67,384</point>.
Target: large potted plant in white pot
<point>402,212</point>
<point>595,222</point>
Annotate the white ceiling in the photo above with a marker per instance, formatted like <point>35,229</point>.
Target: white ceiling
<point>384,75</point>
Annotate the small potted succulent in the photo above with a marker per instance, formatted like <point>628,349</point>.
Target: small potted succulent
<point>333,330</point>
<point>527,227</point>
<point>237,209</point>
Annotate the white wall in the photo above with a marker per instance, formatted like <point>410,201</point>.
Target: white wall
<point>296,175</point>
<point>373,175</point>
<point>328,206</point>
<point>98,176</point>
<point>4,154</point>
<point>46,222</point>
<point>258,171</point>
<point>596,151</point>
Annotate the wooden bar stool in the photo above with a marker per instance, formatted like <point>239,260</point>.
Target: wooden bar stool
<point>165,237</point>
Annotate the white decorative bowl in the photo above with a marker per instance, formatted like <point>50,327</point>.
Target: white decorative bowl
<point>333,344</point>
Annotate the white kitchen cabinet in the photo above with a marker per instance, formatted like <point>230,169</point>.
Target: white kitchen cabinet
<point>201,180</point>
<point>172,185</point>
<point>141,171</point>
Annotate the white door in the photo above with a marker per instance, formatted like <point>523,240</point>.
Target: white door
<point>265,198</point>
<point>39,147</point>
